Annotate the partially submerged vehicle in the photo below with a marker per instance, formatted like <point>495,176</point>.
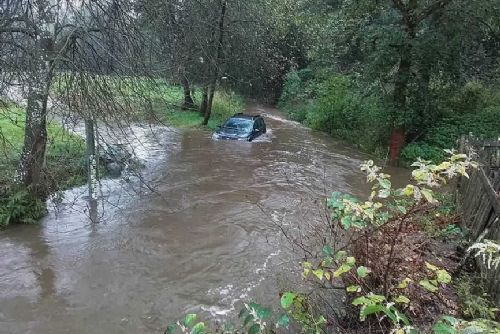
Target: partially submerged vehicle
<point>242,127</point>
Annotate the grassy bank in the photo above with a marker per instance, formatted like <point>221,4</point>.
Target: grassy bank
<point>146,99</point>
<point>225,105</point>
<point>65,166</point>
<point>361,114</point>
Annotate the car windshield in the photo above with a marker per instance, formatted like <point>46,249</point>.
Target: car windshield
<point>239,124</point>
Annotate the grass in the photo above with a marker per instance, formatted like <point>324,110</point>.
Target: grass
<point>143,99</point>
<point>225,105</point>
<point>65,151</point>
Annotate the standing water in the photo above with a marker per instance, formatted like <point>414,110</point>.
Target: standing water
<point>202,241</point>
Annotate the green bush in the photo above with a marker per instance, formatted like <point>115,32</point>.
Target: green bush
<point>474,301</point>
<point>335,105</point>
<point>19,205</point>
<point>338,105</point>
<point>65,167</point>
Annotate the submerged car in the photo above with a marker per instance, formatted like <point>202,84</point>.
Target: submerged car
<point>242,127</point>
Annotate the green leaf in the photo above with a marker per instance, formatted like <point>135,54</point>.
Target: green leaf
<point>443,328</point>
<point>346,222</point>
<point>385,183</point>
<point>318,273</point>
<point>402,209</point>
<point>362,271</point>
<point>384,193</point>
<point>342,270</point>
<point>431,266</point>
<point>402,300</point>
<point>340,255</point>
<point>287,299</point>
<point>408,191</point>
<point>452,320</point>
<point>328,250</point>
<point>188,319</point>
<point>263,313</point>
<point>443,276</point>
<point>427,285</point>
<point>404,283</point>
<point>428,195</point>
<point>171,329</point>
<point>361,301</point>
<point>199,328</point>
<point>376,298</point>
<point>353,288</point>
<point>370,309</point>
<point>254,329</point>
<point>283,321</point>
<point>350,261</point>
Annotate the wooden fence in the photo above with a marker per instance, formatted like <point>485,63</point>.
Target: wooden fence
<point>479,201</point>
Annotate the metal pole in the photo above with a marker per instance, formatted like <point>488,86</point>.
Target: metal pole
<point>91,157</point>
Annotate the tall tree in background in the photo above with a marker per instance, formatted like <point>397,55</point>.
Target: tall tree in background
<point>407,50</point>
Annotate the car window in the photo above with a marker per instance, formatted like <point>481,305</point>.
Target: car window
<point>239,124</point>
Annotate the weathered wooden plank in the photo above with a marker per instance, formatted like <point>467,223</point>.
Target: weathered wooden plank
<point>488,189</point>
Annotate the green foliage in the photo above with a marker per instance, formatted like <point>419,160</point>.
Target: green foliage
<point>336,105</point>
<point>473,109</point>
<point>226,104</point>
<point>474,300</point>
<point>19,205</point>
<point>65,166</point>
<point>451,325</point>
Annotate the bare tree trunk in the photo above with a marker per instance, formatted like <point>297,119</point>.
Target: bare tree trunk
<point>204,101</point>
<point>188,100</point>
<point>217,64</point>
<point>32,160</point>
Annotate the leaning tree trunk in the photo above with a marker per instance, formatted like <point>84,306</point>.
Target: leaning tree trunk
<point>217,65</point>
<point>31,165</point>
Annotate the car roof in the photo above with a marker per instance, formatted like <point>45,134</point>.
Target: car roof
<point>246,116</point>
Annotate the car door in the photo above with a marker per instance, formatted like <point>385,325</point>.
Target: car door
<point>257,128</point>
<point>262,125</point>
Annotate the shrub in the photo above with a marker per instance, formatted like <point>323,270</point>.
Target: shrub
<point>474,300</point>
<point>335,105</point>
<point>19,205</point>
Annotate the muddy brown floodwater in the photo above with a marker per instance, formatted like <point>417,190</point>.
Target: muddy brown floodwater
<point>198,243</point>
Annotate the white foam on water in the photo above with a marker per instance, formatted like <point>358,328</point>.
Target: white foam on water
<point>225,293</point>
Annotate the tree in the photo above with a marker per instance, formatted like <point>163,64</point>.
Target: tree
<point>47,40</point>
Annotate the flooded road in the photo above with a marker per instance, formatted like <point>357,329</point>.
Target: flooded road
<point>202,241</point>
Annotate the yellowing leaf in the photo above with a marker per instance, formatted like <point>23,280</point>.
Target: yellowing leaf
<point>404,283</point>
<point>443,276</point>
<point>318,273</point>
<point>428,195</point>
<point>341,270</point>
<point>402,300</point>
<point>353,288</point>
<point>427,285</point>
<point>431,267</point>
